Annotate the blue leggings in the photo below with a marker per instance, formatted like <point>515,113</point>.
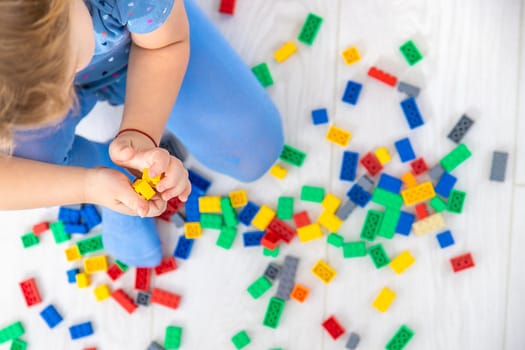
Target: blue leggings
<point>222,115</point>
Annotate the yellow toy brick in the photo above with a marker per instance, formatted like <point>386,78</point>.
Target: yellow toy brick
<point>331,202</point>
<point>96,264</point>
<point>338,136</point>
<point>102,292</point>
<point>278,171</point>
<point>429,224</point>
<point>192,230</point>
<point>323,271</point>
<point>402,262</point>
<point>210,204</point>
<point>419,193</point>
<point>309,232</point>
<point>409,180</point>
<point>384,299</point>
<point>285,51</point>
<point>263,217</point>
<point>143,188</point>
<point>151,181</point>
<point>351,55</point>
<point>238,198</point>
<point>330,221</point>
<point>383,155</point>
<point>82,280</point>
<point>72,254</point>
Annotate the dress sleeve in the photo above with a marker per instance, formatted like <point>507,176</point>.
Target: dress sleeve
<point>144,16</point>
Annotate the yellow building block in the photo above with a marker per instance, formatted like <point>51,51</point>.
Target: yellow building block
<point>330,221</point>
<point>331,202</point>
<point>309,232</point>
<point>409,180</point>
<point>429,224</point>
<point>402,262</point>
<point>323,271</point>
<point>419,193</point>
<point>96,264</point>
<point>383,155</point>
<point>210,204</point>
<point>143,188</point>
<point>338,136</point>
<point>192,230</point>
<point>72,254</point>
<point>82,280</point>
<point>238,198</point>
<point>285,51</point>
<point>151,181</point>
<point>102,292</point>
<point>263,217</point>
<point>384,299</point>
<point>278,171</point>
<point>351,55</point>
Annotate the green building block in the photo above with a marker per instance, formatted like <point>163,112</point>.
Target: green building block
<point>310,29</point>
<point>226,237</point>
<point>285,208</point>
<point>18,344</point>
<point>438,204</point>
<point>241,339</point>
<point>90,245</point>
<point>273,312</point>
<point>262,72</point>
<point>378,255</point>
<point>59,233</point>
<point>272,253</point>
<point>354,249</point>
<point>387,199</point>
<point>230,216</point>
<point>29,240</point>
<point>259,287</point>
<point>123,267</point>
<point>292,155</point>
<point>400,339</point>
<point>455,157</point>
<point>312,194</point>
<point>371,225</point>
<point>456,199</point>
<point>388,224</point>
<point>11,332</point>
<point>173,337</point>
<point>213,221</point>
<point>335,240</point>
<point>411,52</point>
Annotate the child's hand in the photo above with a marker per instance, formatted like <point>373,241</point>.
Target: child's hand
<point>136,152</point>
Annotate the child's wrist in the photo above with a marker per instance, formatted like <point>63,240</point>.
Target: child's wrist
<point>137,131</point>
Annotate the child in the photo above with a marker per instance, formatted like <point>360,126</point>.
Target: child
<point>59,57</point>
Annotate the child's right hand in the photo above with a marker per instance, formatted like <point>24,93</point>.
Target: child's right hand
<point>112,189</point>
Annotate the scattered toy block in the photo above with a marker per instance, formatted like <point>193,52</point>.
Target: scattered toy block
<point>285,52</point>
<point>412,113</point>
<point>371,164</point>
<point>419,166</point>
<point>382,76</point>
<point>172,339</point>
<point>278,171</point>
<point>352,92</point>
<point>124,300</point>
<point>411,52</point>
<point>262,72</point>
<point>165,298</point>
<point>227,7</point>
<point>409,89</point>
<point>378,255</point>
<point>460,129</point>
<point>310,29</point>
<point>419,193</point>
<point>323,271</point>
<point>273,312</point>
<point>432,223</point>
<point>333,327</point>
<point>102,292</point>
<point>30,291</point>
<point>384,299</point>
<point>309,232</point>
<point>462,262</point>
<point>499,166</point>
<point>338,136</point>
<point>402,262</point>
<point>95,264</point>
<point>167,264</point>
<point>349,166</point>
<point>445,239</point>
<point>81,330</point>
<point>300,293</point>
<point>351,55</point>
<point>320,116</point>
<point>383,155</point>
<point>455,157</point>
<point>400,339</point>
<point>51,316</point>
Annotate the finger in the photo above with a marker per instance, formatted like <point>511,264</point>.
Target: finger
<point>156,206</point>
<point>121,151</point>
<point>137,204</point>
<point>172,175</point>
<point>156,160</point>
<point>181,190</point>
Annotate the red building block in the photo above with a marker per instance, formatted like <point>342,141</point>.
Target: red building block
<point>333,327</point>
<point>124,300</point>
<point>114,272</point>
<point>142,278</point>
<point>173,206</point>
<point>166,265</point>
<point>462,262</point>
<point>285,232</point>
<point>40,228</point>
<point>30,291</point>
<point>371,164</point>
<point>227,7</point>
<point>302,219</point>
<point>270,240</point>
<point>165,298</point>
<point>421,211</point>
<point>419,166</point>
<point>382,76</point>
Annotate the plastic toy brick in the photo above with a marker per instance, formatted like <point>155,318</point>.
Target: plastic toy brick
<point>143,298</point>
<point>40,228</point>
<point>194,230</point>
<point>227,7</point>
<point>102,292</point>
<point>409,89</point>
<point>172,207</point>
<point>273,312</point>
<point>445,239</point>
<point>252,238</point>
<point>400,339</point>
<point>59,233</point>
<point>229,214</point>
<point>299,293</point>
<point>371,225</point>
<point>18,344</point>
<point>383,155</point>
<point>384,299</point>
<point>199,183</point>
<point>183,248</point>
<point>436,172</point>
<point>302,219</point>
<point>83,280</point>
<point>338,136</point>
<point>292,155</point>
<point>387,199</point>
<point>309,232</point>
<point>359,196</point>
<point>285,52</point>
<point>330,221</point>
<point>143,188</point>
<point>192,208</point>
<point>421,211</point>
<point>345,210</point>
<point>11,332</point>
<point>419,193</point>
<point>90,245</point>
<point>76,228</point>
<point>409,180</point>
<point>462,262</point>
<point>411,112</point>
<point>226,237</point>
<point>438,204</point>
<point>155,346</point>
<point>51,316</point>
<point>285,232</point>
<point>351,55</point>
<point>172,340</point>
<point>323,271</point>
<point>382,76</point>
<point>460,129</point>
<point>259,287</point>
<point>72,275</point>
<point>30,240</point>
<point>124,300</point>
<point>378,255</point>
<point>333,327</point>
<point>81,330</point>
<point>405,150</point>
<point>456,201</point>
<point>499,166</point>
<point>455,157</point>
<point>310,29</point>
<point>353,341</point>
<point>388,224</point>
<point>354,249</point>
<point>95,264</point>
<point>178,220</point>
<point>285,208</point>
<point>352,92</point>
<point>271,253</point>
<point>210,204</point>
<point>330,202</point>
<point>366,183</point>
<point>167,264</point>
<point>30,291</point>
<point>389,183</point>
<point>270,240</point>
<point>432,223</point>
<point>349,166</point>
<point>335,240</point>
<point>90,216</point>
<point>264,216</point>
<point>419,166</point>
<point>445,184</point>
<point>404,224</point>
<point>114,272</point>
<point>411,52</point>
<point>278,171</point>
<point>312,194</point>
<point>402,262</point>
<point>262,72</point>
<point>371,164</point>
<point>247,213</point>
<point>272,271</point>
<point>69,215</point>
<point>142,278</point>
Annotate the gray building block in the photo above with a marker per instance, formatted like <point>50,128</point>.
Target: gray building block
<point>460,129</point>
<point>499,166</point>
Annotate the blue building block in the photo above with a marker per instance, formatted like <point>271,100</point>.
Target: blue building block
<point>404,224</point>
<point>192,208</point>
<point>445,185</point>
<point>405,150</point>
<point>445,239</point>
<point>90,216</point>
<point>359,196</point>
<point>320,116</point>
<point>81,330</point>
<point>390,183</point>
<point>69,215</point>
<point>252,238</point>
<point>412,114</point>
<point>72,275</point>
<point>349,166</point>
<point>51,316</point>
<point>76,228</point>
<point>183,248</point>
<point>199,183</point>
<point>247,213</point>
<point>352,91</point>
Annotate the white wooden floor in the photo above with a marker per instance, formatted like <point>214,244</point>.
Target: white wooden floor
<point>473,62</point>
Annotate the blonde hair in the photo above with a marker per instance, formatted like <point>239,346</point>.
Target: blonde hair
<point>36,77</point>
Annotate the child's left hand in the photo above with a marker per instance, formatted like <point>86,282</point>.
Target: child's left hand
<point>136,152</point>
